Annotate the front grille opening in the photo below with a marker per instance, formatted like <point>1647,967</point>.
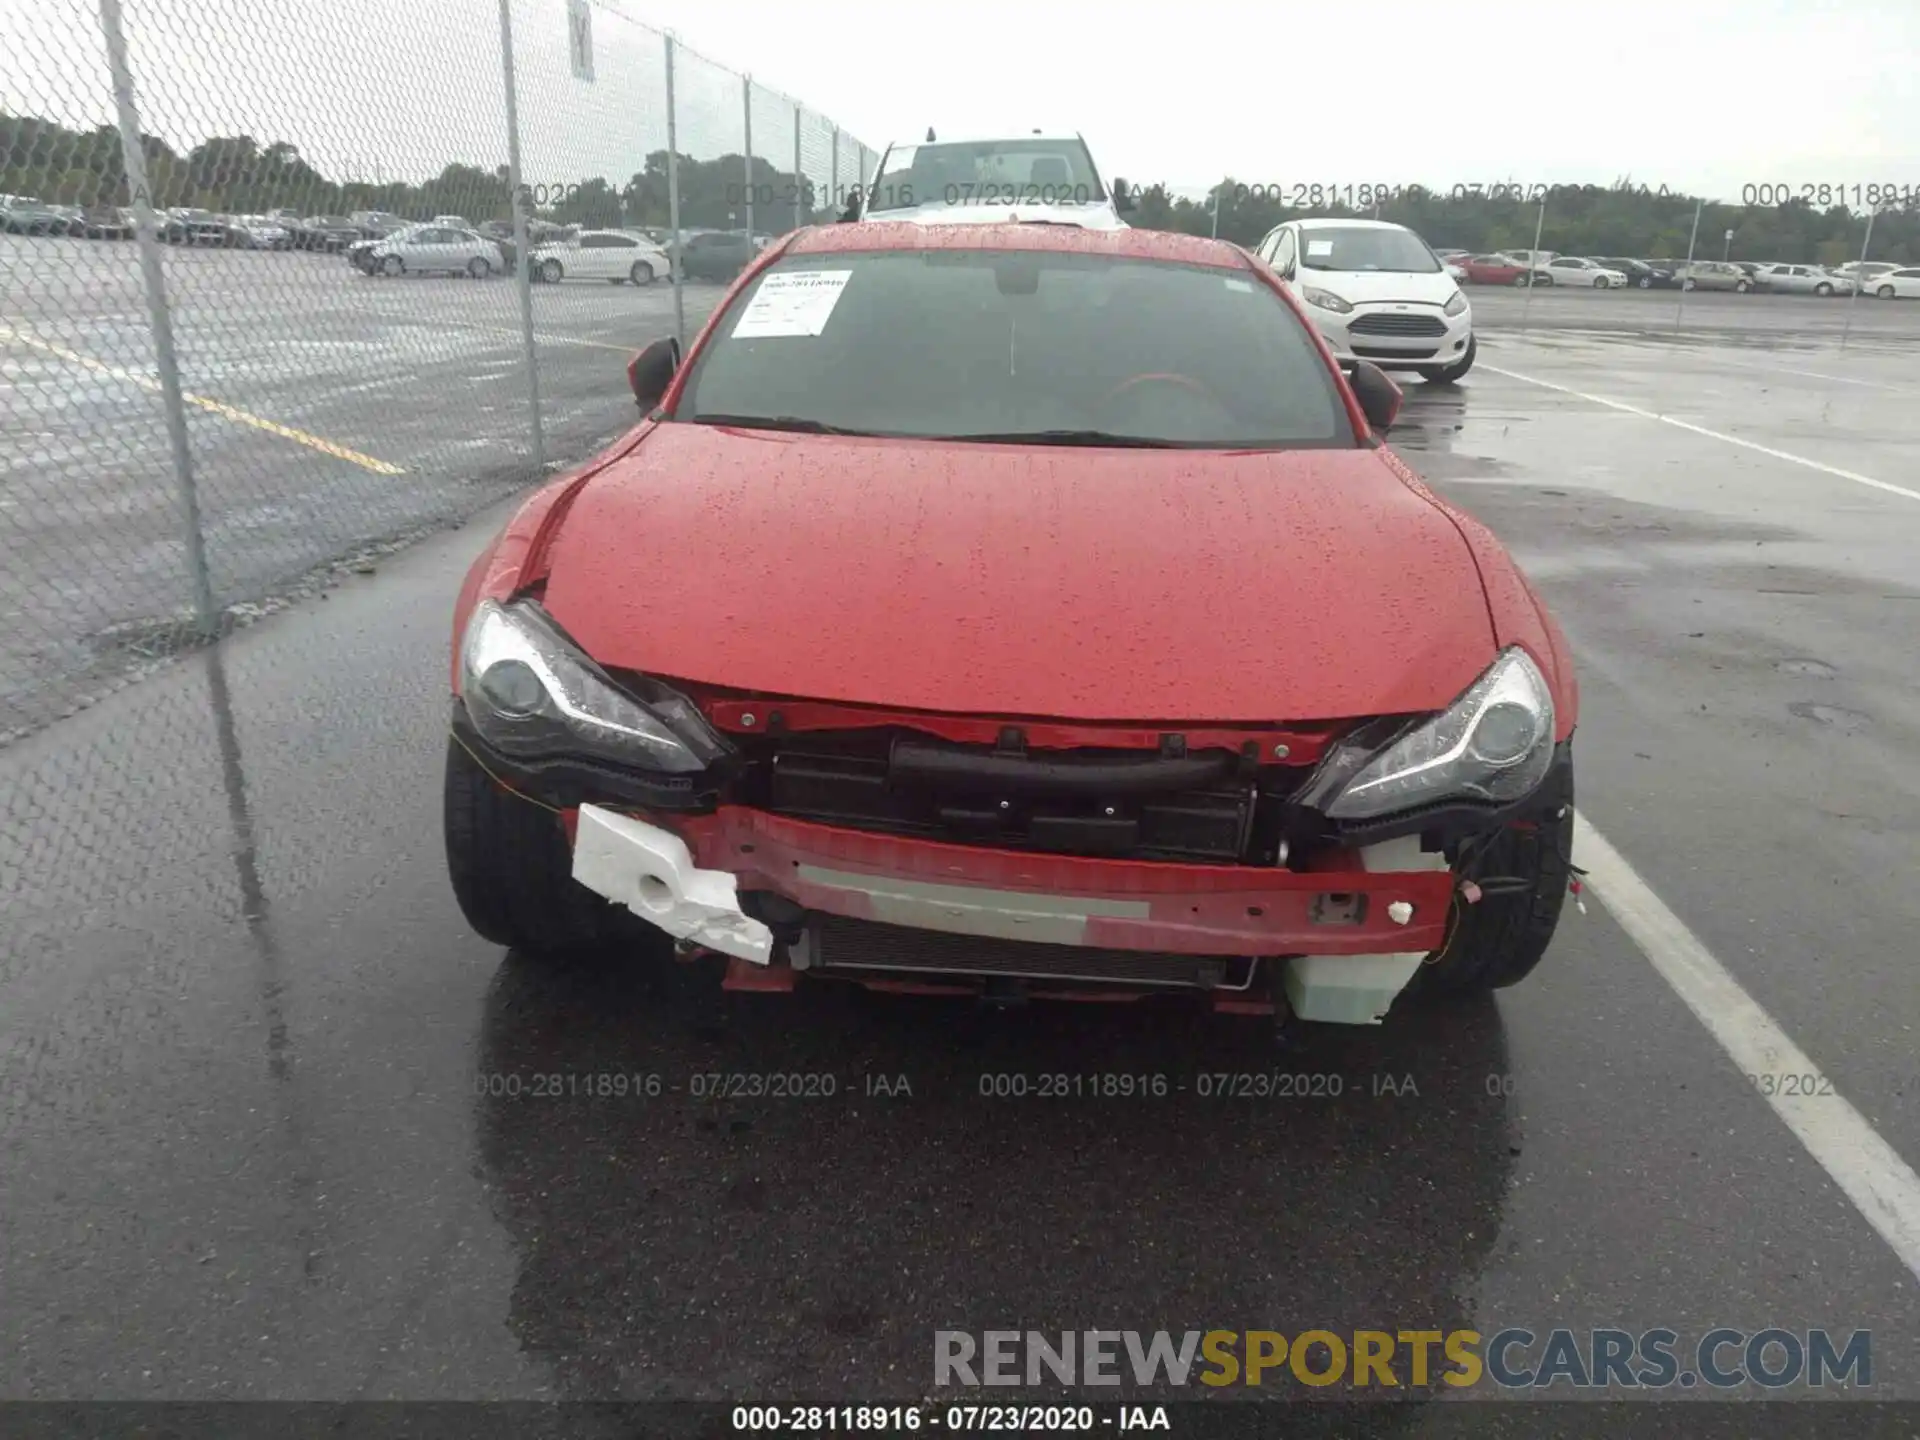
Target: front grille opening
<point>1211,807</point>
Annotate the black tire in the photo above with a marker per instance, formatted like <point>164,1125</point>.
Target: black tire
<point>1687,284</point>
<point>512,870</point>
<point>1497,942</point>
<point>1885,292</point>
<point>1741,287</point>
<point>1646,282</point>
<point>641,273</point>
<point>1523,279</point>
<point>392,265</point>
<point>1600,282</point>
<point>478,267</point>
<point>1447,374</point>
<point>552,271</point>
<point>1823,289</point>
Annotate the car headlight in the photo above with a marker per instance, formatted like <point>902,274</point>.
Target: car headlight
<point>1493,745</point>
<point>1325,299</point>
<point>1457,305</point>
<point>530,692</point>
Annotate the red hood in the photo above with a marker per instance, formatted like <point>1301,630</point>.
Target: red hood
<point>1053,581</point>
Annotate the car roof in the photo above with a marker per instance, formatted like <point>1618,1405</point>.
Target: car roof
<point>1048,238</point>
<point>1051,137</point>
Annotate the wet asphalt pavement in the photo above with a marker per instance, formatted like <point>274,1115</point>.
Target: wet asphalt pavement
<point>271,1121</point>
<point>330,413</point>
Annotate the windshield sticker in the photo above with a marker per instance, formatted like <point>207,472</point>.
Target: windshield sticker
<point>1244,286</point>
<point>1319,247</point>
<point>797,303</point>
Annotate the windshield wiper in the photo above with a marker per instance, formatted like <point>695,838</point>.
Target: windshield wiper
<point>1073,437</point>
<point>775,422</point>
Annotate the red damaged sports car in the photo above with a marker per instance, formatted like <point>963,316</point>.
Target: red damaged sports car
<point>1019,610</point>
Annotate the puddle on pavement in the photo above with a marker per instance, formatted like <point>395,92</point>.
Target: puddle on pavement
<point>1836,717</point>
<point>1810,669</point>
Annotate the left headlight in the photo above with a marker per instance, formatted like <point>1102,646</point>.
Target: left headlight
<point>1325,299</point>
<point>530,692</point>
<point>1458,304</point>
<point>1493,745</point>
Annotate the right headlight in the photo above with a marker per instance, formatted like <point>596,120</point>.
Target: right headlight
<point>531,692</point>
<point>1493,745</point>
<point>1457,305</point>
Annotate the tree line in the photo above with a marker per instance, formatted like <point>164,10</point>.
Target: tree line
<point>237,175</point>
<point>240,175</point>
<point>1622,219</point>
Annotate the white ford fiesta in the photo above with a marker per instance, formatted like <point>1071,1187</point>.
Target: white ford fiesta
<point>1377,292</point>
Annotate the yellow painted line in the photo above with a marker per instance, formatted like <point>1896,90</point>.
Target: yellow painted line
<point>216,407</point>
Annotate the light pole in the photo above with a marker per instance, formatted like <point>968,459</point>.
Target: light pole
<point>1859,276</point>
<point>1686,271</point>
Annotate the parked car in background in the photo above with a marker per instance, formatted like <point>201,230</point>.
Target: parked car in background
<point>325,232</point>
<point>717,255</point>
<point>1577,270</point>
<point>1456,272</point>
<point>1375,292</point>
<point>457,222</point>
<point>1495,269</point>
<point>108,222</point>
<point>1715,275</point>
<point>24,215</point>
<point>189,226</point>
<point>609,255</point>
<point>991,179</point>
<point>257,232</point>
<point>378,224</point>
<point>75,219</point>
<point>1642,274</point>
<point>437,249</point>
<point>1802,280</point>
<point>1865,274</point>
<point>1900,284</point>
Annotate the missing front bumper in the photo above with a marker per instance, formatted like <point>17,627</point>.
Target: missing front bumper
<point>1351,937</point>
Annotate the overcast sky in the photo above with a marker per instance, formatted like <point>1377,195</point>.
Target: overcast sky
<point>1697,94</point>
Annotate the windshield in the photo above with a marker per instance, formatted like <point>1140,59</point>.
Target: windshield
<point>1064,348</point>
<point>986,172</point>
<point>1364,248</point>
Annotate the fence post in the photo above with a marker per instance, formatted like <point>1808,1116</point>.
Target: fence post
<point>746,89</point>
<point>799,174</point>
<point>159,318</point>
<point>522,257</point>
<point>833,185</point>
<point>673,208</point>
<point>1533,260</point>
<point>1686,271</point>
<point>1859,274</point>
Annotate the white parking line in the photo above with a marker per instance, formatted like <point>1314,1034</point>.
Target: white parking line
<point>1720,435</point>
<point>1881,1185</point>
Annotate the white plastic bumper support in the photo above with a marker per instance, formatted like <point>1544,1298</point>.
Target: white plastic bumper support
<point>1360,989</point>
<point>650,871</point>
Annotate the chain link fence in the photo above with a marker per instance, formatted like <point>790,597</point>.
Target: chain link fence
<point>270,307</point>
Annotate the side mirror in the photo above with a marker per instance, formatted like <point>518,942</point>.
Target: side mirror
<point>1379,397</point>
<point>1123,198</point>
<point>652,371</point>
